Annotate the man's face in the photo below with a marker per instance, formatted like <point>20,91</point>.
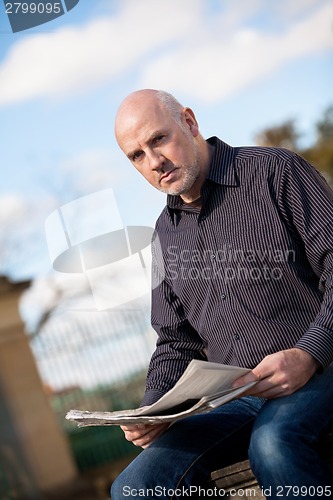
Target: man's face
<point>163,151</point>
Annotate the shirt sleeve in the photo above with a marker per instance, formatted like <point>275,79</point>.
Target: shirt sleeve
<point>177,341</point>
<point>306,203</point>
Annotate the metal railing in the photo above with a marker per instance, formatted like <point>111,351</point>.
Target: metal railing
<point>93,360</point>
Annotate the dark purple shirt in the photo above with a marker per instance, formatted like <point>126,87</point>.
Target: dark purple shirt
<point>250,273</point>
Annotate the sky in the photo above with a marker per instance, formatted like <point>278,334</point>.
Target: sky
<point>241,65</point>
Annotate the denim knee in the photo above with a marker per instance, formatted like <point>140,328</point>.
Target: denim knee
<point>269,445</point>
<point>285,454</point>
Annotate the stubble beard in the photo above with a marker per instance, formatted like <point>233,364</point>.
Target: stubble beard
<point>190,174</point>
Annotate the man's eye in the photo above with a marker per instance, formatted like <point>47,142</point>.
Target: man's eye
<point>158,138</point>
<point>137,155</point>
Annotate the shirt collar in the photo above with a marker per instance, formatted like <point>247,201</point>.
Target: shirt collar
<point>222,170</point>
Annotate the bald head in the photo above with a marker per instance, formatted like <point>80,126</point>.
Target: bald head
<point>147,99</point>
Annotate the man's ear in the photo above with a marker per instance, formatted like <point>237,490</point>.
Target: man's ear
<point>190,119</point>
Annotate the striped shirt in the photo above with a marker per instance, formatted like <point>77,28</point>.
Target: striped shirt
<point>247,274</point>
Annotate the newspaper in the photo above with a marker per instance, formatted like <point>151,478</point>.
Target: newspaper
<point>202,387</point>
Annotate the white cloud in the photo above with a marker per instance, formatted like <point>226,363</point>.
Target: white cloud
<point>46,293</point>
<point>180,46</point>
<point>22,235</point>
<point>12,209</point>
<point>75,59</point>
<point>215,65</point>
<point>289,10</point>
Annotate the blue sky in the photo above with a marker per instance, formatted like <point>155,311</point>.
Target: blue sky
<point>241,65</point>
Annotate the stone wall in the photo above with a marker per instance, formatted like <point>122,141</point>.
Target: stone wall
<point>34,453</point>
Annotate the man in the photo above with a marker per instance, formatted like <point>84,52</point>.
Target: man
<point>245,278</point>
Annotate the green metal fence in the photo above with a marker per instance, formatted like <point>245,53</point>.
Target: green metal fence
<point>97,446</point>
<point>95,361</point>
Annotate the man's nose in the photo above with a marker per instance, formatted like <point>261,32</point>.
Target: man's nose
<point>156,160</point>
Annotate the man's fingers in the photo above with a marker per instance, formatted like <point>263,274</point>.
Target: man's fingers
<point>142,434</point>
<point>146,439</point>
<point>137,433</point>
<point>280,374</point>
<point>246,379</point>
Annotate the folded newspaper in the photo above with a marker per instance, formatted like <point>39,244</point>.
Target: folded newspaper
<point>202,387</point>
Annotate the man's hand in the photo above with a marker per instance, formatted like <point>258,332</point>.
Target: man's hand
<point>280,374</point>
<point>144,434</point>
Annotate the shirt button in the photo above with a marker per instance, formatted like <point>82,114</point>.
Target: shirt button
<point>203,217</point>
<point>213,256</point>
<point>223,296</point>
<point>236,337</point>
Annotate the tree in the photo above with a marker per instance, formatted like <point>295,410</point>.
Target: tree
<point>325,126</point>
<point>280,136</point>
<point>320,153</point>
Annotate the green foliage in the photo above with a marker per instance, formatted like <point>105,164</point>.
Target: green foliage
<point>280,136</point>
<point>325,126</point>
<point>320,153</point>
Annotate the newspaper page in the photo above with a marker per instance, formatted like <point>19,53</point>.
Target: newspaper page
<point>202,387</point>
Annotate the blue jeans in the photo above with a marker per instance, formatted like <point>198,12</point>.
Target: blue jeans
<point>279,436</point>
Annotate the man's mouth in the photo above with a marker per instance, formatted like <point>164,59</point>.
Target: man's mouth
<point>168,175</point>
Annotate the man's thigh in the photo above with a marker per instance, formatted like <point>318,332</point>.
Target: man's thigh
<point>309,410</point>
<point>224,432</point>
